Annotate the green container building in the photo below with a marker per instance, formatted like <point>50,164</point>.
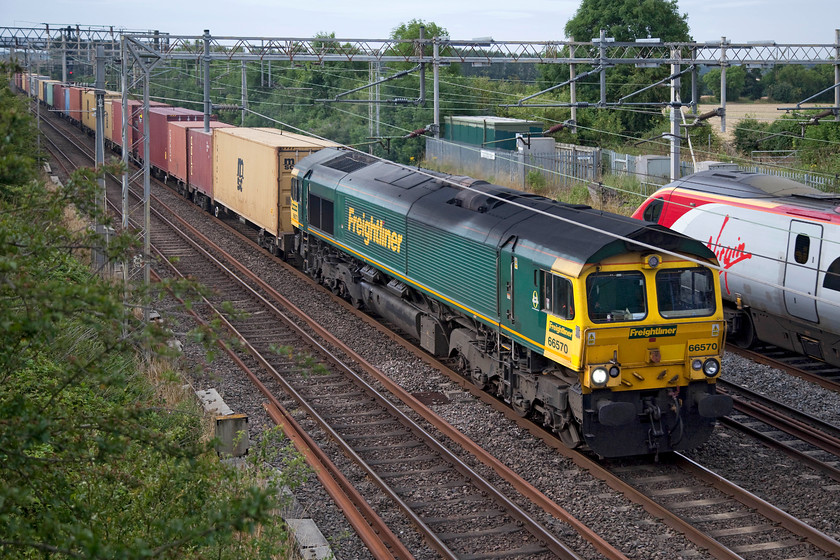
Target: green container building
<point>489,132</point>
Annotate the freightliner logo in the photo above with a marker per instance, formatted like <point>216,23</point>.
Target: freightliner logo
<point>648,332</point>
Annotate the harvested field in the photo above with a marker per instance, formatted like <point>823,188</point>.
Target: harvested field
<point>736,112</point>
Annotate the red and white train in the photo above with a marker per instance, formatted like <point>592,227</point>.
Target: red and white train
<point>778,243</point>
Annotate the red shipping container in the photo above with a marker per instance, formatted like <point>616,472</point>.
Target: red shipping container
<point>200,164</point>
<point>193,115</point>
<point>177,156</point>
<point>135,110</point>
<point>159,119</point>
<point>74,110</point>
<point>58,98</point>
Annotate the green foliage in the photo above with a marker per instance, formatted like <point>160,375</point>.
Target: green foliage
<point>628,20</point>
<point>536,181</point>
<point>816,146</point>
<point>748,135</point>
<point>94,464</point>
<point>736,81</point>
<point>411,30</point>
<point>17,142</point>
<point>623,20</point>
<point>792,83</point>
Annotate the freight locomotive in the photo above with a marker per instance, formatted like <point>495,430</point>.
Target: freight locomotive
<point>606,330</point>
<point>778,243</point>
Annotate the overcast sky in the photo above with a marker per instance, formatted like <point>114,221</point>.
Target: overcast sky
<point>782,21</point>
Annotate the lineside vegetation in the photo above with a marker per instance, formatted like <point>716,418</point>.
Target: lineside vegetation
<point>102,454</point>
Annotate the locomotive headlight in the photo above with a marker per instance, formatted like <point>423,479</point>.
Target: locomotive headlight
<point>599,377</point>
<point>696,364</point>
<point>652,261</point>
<point>614,371</point>
<point>711,367</point>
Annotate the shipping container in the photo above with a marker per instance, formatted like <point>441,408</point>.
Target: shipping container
<point>177,154</point>
<point>42,89</point>
<point>489,132</point>
<point>89,107</point>
<point>74,105</point>
<point>159,119</point>
<point>252,175</point>
<point>58,97</point>
<point>109,118</point>
<point>200,161</point>
<point>47,92</point>
<point>39,87</point>
<point>135,114</point>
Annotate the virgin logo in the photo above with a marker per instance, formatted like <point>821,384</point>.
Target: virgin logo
<point>727,256</point>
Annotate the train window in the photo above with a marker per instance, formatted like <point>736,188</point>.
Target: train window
<point>801,248</point>
<point>685,292</point>
<point>314,208</point>
<point>616,296</point>
<point>295,189</point>
<point>321,213</point>
<point>556,295</point>
<point>654,210</point>
<point>832,276</point>
<point>327,217</point>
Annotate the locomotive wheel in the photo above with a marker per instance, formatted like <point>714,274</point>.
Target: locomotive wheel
<point>570,436</point>
<point>520,405</point>
<point>478,379</point>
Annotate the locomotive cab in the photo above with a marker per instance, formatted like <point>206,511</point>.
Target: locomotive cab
<point>653,340</point>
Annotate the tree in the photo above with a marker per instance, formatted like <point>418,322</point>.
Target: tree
<point>628,20</point>
<point>792,83</point>
<point>624,21</point>
<point>93,463</point>
<point>736,81</point>
<point>411,30</point>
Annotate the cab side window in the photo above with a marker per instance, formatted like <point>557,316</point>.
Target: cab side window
<point>295,189</point>
<point>654,210</point>
<point>556,296</point>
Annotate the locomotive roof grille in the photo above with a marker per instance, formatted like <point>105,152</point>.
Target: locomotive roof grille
<point>349,162</point>
<point>483,197</point>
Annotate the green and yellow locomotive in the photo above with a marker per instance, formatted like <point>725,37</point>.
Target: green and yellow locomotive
<point>584,320</point>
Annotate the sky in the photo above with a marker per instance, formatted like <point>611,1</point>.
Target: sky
<point>782,21</point>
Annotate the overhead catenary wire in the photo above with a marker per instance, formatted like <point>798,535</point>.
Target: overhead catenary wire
<point>353,114</point>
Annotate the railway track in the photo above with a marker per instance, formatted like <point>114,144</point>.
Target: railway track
<point>652,503</point>
<point>459,513</point>
<point>802,436</point>
<point>809,369</point>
